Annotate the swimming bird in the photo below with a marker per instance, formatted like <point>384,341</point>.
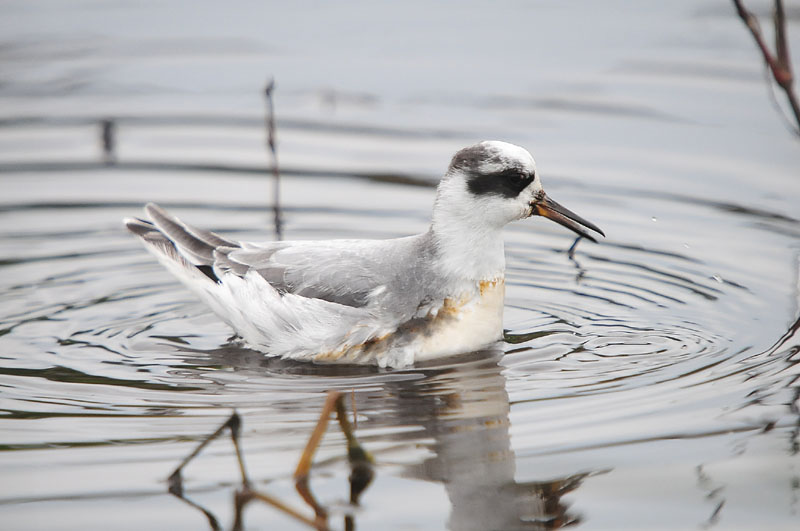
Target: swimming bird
<point>384,302</point>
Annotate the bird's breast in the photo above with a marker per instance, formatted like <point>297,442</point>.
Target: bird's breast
<point>459,324</point>
<point>462,324</point>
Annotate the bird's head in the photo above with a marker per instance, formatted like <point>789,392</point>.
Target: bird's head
<point>494,183</point>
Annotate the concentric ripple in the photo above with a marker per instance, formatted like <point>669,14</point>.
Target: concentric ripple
<point>637,340</point>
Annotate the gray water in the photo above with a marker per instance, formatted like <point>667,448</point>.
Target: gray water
<point>651,382</point>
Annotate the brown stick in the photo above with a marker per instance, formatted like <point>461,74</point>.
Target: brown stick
<point>780,66</point>
<point>301,474</point>
<point>297,515</point>
<point>354,408</point>
<point>233,423</point>
<point>272,144</point>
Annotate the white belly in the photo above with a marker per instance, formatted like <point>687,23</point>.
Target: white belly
<point>471,322</point>
<point>464,326</point>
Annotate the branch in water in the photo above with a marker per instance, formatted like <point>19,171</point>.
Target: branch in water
<point>272,144</point>
<point>780,64</point>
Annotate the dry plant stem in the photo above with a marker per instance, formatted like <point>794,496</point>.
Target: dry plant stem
<point>247,493</point>
<point>361,462</point>
<point>315,523</point>
<point>344,423</point>
<point>272,144</point>
<point>780,66</point>
<point>781,45</point>
<point>233,423</point>
<point>108,137</point>
<point>354,408</point>
<point>304,465</point>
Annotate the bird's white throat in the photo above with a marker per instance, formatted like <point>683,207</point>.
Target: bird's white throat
<point>469,255</point>
<point>468,233</point>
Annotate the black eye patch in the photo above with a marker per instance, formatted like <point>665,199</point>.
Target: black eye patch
<point>507,183</point>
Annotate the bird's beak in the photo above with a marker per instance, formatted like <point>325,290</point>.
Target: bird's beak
<point>544,206</point>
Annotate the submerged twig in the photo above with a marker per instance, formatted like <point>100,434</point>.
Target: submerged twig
<point>779,64</point>
<point>233,423</point>
<point>175,480</point>
<point>360,460</point>
<point>303,470</point>
<point>354,408</point>
<point>272,144</point>
<point>108,139</point>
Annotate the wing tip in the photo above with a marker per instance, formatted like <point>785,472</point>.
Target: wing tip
<point>137,226</point>
<point>156,213</point>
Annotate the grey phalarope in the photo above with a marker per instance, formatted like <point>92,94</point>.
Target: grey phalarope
<point>386,302</point>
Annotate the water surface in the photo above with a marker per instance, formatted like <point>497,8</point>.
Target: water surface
<point>648,382</point>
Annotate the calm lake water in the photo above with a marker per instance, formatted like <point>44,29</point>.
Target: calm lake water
<point>652,382</point>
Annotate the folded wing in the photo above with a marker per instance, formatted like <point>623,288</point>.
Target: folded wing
<point>296,299</point>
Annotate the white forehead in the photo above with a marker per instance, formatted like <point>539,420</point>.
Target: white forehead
<point>505,155</point>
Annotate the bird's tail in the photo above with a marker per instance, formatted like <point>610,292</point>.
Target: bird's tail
<point>178,244</point>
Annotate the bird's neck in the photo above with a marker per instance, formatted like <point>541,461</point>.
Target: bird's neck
<point>468,250</point>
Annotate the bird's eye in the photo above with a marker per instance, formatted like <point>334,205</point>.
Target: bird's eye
<point>523,176</point>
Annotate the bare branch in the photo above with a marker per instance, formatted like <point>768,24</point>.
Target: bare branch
<point>780,66</point>
<point>272,144</point>
<point>781,45</point>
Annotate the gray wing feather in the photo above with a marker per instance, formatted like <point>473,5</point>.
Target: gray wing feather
<point>150,234</point>
<point>333,272</point>
<point>347,272</point>
<point>197,245</point>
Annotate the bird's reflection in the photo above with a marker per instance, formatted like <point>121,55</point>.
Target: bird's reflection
<point>462,409</point>
<point>466,416</point>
